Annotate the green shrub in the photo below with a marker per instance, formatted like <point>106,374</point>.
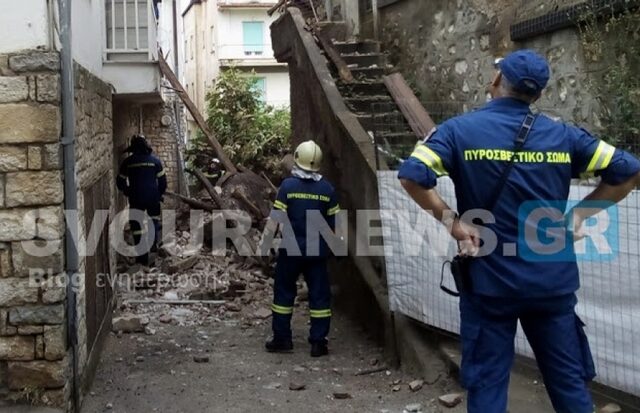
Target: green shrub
<point>252,133</point>
<point>612,45</point>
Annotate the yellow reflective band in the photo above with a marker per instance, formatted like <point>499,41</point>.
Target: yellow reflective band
<point>320,313</point>
<point>155,217</point>
<point>602,157</point>
<point>160,174</point>
<point>304,195</point>
<point>429,158</point>
<point>278,309</point>
<point>280,205</point>
<point>334,210</point>
<point>142,165</point>
<point>140,232</point>
<point>122,176</point>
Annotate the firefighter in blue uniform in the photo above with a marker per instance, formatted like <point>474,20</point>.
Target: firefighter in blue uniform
<point>473,149</point>
<point>142,179</point>
<point>305,193</point>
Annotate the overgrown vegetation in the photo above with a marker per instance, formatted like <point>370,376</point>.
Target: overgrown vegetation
<point>253,134</point>
<point>612,45</point>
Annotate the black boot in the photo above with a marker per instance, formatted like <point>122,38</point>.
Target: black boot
<point>279,346</point>
<point>319,349</point>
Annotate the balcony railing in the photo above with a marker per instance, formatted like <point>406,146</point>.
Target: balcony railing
<point>245,52</point>
<point>131,29</point>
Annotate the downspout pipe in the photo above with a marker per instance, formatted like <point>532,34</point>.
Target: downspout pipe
<point>70,190</point>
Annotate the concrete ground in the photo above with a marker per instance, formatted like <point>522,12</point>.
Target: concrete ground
<point>157,373</point>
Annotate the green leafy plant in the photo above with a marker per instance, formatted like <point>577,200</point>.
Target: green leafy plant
<point>252,133</point>
<point>612,45</point>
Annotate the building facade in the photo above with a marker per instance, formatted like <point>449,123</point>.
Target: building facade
<point>219,34</point>
<point>64,128</point>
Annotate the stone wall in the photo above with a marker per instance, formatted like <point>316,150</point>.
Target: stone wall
<point>158,123</point>
<point>34,363</point>
<point>94,149</point>
<point>446,50</point>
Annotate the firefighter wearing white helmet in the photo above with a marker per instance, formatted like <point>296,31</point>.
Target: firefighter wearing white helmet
<point>308,156</point>
<point>305,192</point>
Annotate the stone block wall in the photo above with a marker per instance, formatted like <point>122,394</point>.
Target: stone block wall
<point>158,123</point>
<point>34,363</point>
<point>94,151</point>
<point>446,50</point>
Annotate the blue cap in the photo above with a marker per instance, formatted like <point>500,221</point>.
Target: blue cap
<point>526,70</point>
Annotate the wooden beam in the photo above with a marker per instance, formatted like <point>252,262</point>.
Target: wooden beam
<point>197,116</point>
<point>207,185</point>
<point>334,56</point>
<point>413,111</point>
<point>193,203</point>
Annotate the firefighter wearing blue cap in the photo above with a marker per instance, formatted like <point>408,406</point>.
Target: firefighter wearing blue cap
<point>302,199</point>
<point>475,149</point>
<point>142,179</point>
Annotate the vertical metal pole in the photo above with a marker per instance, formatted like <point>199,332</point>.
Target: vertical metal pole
<point>135,4</point>
<point>113,24</point>
<point>70,189</point>
<point>376,17</point>
<point>176,61</point>
<point>126,41</point>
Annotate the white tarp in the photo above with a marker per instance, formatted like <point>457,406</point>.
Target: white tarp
<point>609,297</point>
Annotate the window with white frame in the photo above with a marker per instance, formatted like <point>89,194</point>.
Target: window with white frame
<point>127,25</point>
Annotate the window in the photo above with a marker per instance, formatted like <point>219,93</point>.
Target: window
<point>127,24</point>
<point>192,47</point>
<point>253,38</point>
<point>260,86</point>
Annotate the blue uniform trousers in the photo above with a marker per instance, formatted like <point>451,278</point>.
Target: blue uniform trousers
<point>314,269</point>
<point>556,335</point>
<point>154,210</point>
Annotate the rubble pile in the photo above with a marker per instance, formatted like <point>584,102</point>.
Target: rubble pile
<point>192,287</point>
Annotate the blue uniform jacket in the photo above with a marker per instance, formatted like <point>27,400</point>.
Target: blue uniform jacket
<point>299,198</point>
<point>142,179</point>
<point>473,149</point>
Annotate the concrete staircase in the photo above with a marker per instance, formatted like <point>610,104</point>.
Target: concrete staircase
<point>370,101</point>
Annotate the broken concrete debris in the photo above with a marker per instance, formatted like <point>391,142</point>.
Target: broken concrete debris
<point>130,323</point>
<point>450,400</point>
<point>416,385</point>
<point>611,408</point>
<point>413,408</point>
<point>297,386</point>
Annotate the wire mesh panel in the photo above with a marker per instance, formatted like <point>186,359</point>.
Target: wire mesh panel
<point>416,247</point>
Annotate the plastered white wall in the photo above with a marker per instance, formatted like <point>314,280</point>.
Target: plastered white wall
<point>88,24</point>
<point>25,25</point>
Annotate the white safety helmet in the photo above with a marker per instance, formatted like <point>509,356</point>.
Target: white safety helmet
<point>308,156</point>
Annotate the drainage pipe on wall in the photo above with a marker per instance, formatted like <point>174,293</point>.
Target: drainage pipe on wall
<point>70,190</point>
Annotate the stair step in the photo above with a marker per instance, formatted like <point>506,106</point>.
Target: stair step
<point>365,60</point>
<point>363,73</point>
<point>373,87</point>
<point>383,122</point>
<point>369,103</point>
<point>366,46</point>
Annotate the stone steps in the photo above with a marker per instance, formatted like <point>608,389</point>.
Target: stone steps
<point>365,60</point>
<point>366,46</point>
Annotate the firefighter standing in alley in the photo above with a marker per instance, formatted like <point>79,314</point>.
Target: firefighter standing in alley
<point>143,181</point>
<point>501,158</point>
<point>303,197</point>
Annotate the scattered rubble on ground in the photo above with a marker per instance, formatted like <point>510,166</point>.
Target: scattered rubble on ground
<point>451,400</point>
<point>611,408</point>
